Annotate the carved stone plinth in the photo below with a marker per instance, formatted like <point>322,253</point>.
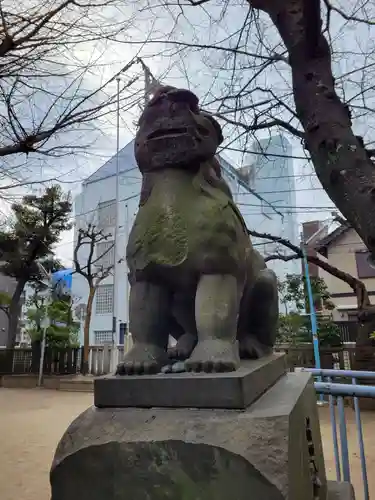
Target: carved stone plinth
<point>233,390</point>
<point>272,450</point>
<point>339,491</point>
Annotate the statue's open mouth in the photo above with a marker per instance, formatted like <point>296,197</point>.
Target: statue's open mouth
<point>167,132</point>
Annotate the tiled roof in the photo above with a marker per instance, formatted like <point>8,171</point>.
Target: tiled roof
<point>325,242</point>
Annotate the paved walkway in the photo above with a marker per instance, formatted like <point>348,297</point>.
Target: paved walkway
<point>32,422</point>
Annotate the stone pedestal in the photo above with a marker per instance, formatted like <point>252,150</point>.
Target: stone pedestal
<point>233,390</point>
<point>252,434</point>
<point>272,450</point>
<point>339,491</point>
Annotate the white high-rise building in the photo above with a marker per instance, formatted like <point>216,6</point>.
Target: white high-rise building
<point>97,205</point>
<point>271,175</point>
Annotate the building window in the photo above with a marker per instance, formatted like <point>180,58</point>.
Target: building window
<point>364,270</point>
<point>104,254</point>
<point>104,299</point>
<point>107,214</point>
<point>103,337</point>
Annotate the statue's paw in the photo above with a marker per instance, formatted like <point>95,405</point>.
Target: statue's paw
<point>251,348</point>
<point>142,359</point>
<point>183,348</point>
<point>214,356</point>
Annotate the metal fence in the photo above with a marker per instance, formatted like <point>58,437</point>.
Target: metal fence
<point>338,385</point>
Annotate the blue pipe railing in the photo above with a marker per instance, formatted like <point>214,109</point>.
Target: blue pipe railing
<point>334,435</point>
<point>337,392</point>
<point>314,324</point>
<point>341,373</point>
<point>360,441</point>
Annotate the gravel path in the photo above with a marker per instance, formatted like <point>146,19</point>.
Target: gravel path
<point>32,422</point>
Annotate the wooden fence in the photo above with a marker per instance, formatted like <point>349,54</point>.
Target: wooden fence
<point>57,361</point>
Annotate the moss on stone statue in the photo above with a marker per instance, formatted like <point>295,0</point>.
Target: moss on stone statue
<point>186,471</point>
<point>166,238</point>
<point>185,216</point>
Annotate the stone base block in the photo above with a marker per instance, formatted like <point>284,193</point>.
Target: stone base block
<point>339,491</point>
<point>270,451</point>
<point>235,390</point>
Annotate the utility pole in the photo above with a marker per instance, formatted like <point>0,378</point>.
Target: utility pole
<point>115,246</point>
<point>126,277</point>
<point>150,83</point>
<point>45,322</point>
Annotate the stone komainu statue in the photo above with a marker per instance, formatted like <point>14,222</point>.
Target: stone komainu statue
<point>192,269</point>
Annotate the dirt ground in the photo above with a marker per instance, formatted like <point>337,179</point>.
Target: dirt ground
<point>32,422</point>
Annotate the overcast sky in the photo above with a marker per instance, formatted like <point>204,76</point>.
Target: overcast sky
<point>209,72</point>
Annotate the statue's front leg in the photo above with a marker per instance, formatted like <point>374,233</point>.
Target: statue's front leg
<point>149,312</point>
<point>216,311</point>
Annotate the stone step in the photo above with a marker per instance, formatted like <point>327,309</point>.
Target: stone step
<point>77,385</point>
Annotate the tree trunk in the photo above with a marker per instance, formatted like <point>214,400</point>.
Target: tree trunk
<point>86,331</point>
<point>14,312</point>
<point>340,161</point>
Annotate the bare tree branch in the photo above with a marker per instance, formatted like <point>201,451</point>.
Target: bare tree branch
<point>261,126</point>
<point>52,90</point>
<point>91,237</point>
<point>348,17</point>
<point>324,91</point>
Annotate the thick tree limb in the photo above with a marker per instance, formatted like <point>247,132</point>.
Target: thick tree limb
<point>358,287</point>
<point>340,160</point>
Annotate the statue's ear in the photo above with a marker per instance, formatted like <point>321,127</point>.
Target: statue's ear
<point>216,125</point>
